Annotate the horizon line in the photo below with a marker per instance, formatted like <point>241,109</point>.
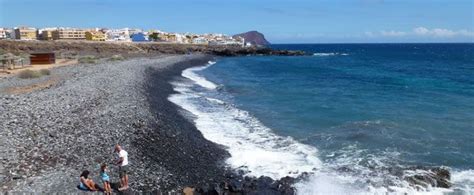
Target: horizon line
<point>373,43</point>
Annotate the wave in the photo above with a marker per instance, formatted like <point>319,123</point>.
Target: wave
<point>329,54</point>
<point>190,74</point>
<point>253,147</point>
<point>257,151</point>
<point>463,181</point>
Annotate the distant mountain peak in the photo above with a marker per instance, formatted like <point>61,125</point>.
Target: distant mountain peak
<point>254,37</point>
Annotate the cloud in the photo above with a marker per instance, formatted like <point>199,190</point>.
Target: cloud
<point>441,32</point>
<point>422,32</point>
<point>369,34</point>
<point>393,33</point>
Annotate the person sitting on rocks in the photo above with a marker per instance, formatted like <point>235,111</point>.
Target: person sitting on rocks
<point>87,184</point>
<point>122,162</point>
<point>105,178</point>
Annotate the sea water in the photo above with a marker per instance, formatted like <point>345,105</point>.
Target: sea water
<point>347,114</point>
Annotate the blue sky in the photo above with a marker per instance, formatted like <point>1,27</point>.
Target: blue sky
<point>282,21</point>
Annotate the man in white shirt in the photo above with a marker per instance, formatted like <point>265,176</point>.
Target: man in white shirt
<point>122,162</point>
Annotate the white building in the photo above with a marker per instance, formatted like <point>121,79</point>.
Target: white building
<point>181,38</point>
<point>200,41</point>
<point>122,35</point>
<point>6,33</point>
<point>132,31</point>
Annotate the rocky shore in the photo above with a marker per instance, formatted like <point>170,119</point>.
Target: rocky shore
<point>50,135</point>
<point>104,49</point>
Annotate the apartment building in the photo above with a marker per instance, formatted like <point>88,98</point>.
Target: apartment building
<point>26,33</point>
<point>95,36</point>
<point>69,34</point>
<point>47,33</point>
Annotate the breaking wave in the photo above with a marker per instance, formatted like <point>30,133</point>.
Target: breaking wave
<point>257,151</point>
<point>330,54</point>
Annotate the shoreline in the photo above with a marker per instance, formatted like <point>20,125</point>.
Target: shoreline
<point>134,49</point>
<point>202,165</point>
<point>200,160</point>
<point>50,135</point>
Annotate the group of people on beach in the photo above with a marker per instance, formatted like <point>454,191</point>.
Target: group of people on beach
<point>88,184</point>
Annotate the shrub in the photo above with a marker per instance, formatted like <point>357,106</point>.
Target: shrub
<point>45,72</point>
<point>117,58</point>
<point>29,74</point>
<point>88,59</point>
<point>68,55</point>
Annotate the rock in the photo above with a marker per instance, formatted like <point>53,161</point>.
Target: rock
<point>144,49</point>
<point>429,177</point>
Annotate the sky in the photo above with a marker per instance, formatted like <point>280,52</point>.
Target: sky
<point>282,21</point>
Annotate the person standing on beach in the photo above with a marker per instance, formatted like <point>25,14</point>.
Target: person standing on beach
<point>122,162</point>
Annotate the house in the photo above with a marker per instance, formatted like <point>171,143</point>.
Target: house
<point>95,36</point>
<point>132,31</point>
<point>200,41</point>
<point>171,37</point>
<point>139,37</point>
<point>26,33</point>
<point>118,35</point>
<point>5,33</point>
<point>69,34</point>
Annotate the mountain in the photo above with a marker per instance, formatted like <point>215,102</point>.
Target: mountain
<point>254,37</point>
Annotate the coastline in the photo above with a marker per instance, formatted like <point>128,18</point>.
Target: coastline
<point>190,158</point>
<point>50,135</point>
<point>135,49</point>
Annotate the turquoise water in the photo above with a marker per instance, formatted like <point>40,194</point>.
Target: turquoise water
<point>364,107</point>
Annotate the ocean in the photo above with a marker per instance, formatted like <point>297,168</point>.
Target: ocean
<point>346,114</point>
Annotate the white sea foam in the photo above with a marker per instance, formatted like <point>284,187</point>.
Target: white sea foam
<point>329,54</point>
<point>190,74</point>
<point>255,149</point>
<point>463,181</point>
<point>324,54</point>
<point>214,100</point>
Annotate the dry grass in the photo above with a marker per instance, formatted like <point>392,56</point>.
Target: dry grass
<point>29,74</point>
<point>89,59</point>
<point>34,87</point>
<point>117,57</point>
<point>45,72</point>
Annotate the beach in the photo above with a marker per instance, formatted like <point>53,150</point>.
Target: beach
<point>50,135</point>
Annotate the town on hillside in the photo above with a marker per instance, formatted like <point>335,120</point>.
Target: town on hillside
<point>119,35</point>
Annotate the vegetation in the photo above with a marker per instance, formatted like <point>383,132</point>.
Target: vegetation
<point>68,55</point>
<point>45,72</point>
<point>117,57</point>
<point>153,37</point>
<point>30,74</point>
<point>89,59</point>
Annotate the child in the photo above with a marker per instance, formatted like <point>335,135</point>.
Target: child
<point>86,183</point>
<point>105,178</point>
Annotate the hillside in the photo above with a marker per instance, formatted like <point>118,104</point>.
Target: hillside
<point>254,37</point>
